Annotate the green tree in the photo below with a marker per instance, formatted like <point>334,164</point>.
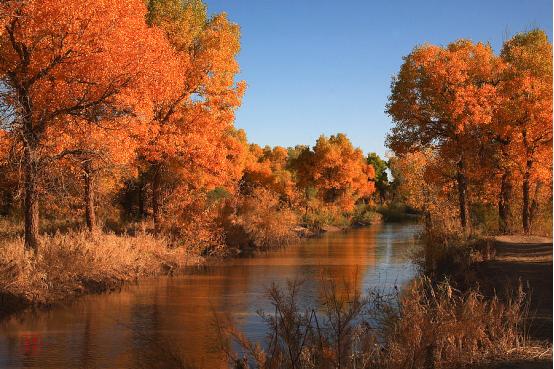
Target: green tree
<point>381,177</point>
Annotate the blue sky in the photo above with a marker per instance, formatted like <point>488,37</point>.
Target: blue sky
<point>322,67</point>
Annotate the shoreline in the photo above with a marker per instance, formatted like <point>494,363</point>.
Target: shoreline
<point>14,303</point>
<point>500,255</point>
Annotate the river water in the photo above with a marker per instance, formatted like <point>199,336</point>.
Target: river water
<point>116,330</point>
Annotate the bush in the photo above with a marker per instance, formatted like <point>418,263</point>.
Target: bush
<point>365,215</point>
<point>438,326</point>
<point>484,218</point>
<point>263,220</point>
<point>448,253</point>
<point>430,326</point>
<point>316,219</point>
<point>397,213</point>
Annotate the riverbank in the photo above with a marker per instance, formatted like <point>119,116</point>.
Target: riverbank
<point>78,263</point>
<point>182,307</point>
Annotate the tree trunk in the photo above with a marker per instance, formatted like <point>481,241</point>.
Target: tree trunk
<point>526,212</point>
<point>141,200</point>
<point>535,204</point>
<point>31,204</point>
<point>526,185</point>
<point>156,200</point>
<point>90,214</point>
<point>382,196</point>
<point>31,167</point>
<point>462,194</point>
<point>504,203</point>
<point>427,213</point>
<point>428,219</point>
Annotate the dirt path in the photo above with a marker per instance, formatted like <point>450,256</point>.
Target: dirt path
<point>528,259</point>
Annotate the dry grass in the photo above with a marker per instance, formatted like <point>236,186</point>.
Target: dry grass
<point>10,228</point>
<point>440,327</point>
<point>429,326</point>
<point>443,254</point>
<point>77,262</point>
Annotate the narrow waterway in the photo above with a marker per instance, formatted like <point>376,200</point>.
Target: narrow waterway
<point>116,330</point>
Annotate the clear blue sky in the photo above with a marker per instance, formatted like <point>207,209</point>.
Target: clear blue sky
<point>322,67</point>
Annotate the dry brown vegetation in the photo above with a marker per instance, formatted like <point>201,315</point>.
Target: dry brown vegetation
<point>71,264</point>
<point>427,326</point>
<point>264,221</point>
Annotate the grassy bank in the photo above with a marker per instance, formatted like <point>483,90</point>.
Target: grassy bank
<point>361,215</point>
<point>75,262</point>
<point>72,264</point>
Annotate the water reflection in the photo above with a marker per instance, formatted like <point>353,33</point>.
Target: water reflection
<point>126,329</point>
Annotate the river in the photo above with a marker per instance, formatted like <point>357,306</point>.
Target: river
<point>113,330</point>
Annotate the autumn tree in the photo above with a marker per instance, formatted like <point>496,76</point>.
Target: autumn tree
<point>439,99</point>
<point>524,116</point>
<point>409,182</point>
<point>193,114</point>
<point>337,171</point>
<point>64,60</point>
<point>99,154</point>
<point>268,168</point>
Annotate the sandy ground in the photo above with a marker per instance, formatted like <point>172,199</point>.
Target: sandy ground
<point>527,259</point>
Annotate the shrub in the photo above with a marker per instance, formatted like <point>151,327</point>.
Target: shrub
<point>438,326</point>
<point>429,326</point>
<point>397,213</point>
<point>447,252</point>
<point>319,217</point>
<point>365,215</point>
<point>264,220</point>
<point>440,259</point>
<point>484,218</point>
<point>195,221</point>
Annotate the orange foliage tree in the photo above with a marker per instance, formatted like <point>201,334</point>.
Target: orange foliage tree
<point>524,116</point>
<point>98,154</point>
<point>440,99</point>
<point>486,118</point>
<point>269,168</point>
<point>422,182</point>
<point>191,128</point>
<point>337,171</point>
<point>63,60</point>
